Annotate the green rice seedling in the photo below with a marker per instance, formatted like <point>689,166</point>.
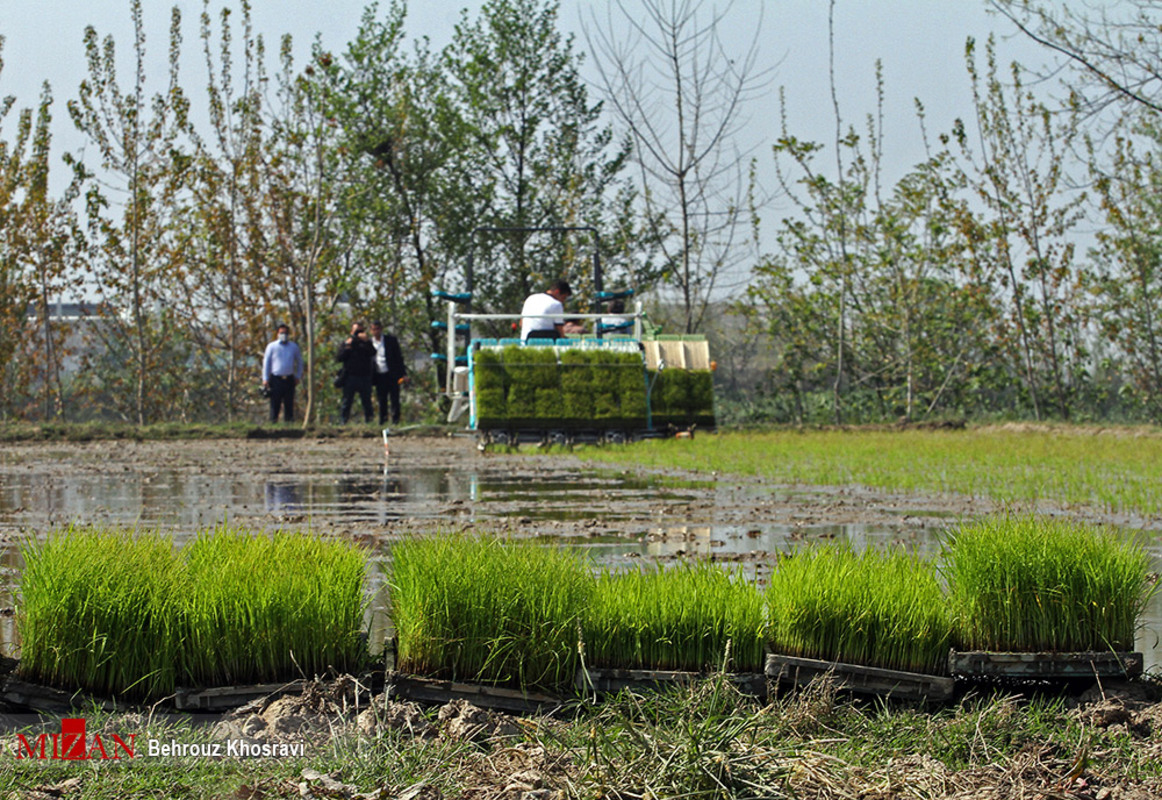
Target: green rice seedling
<point>489,370</point>
<point>631,385</point>
<point>491,384</point>
<point>577,401</point>
<point>264,608</point>
<point>1065,465</point>
<point>1024,583</point>
<point>121,613</point>
<point>490,404</point>
<point>701,392</point>
<point>486,610</point>
<point>97,611</point>
<point>680,618</point>
<point>876,608</point>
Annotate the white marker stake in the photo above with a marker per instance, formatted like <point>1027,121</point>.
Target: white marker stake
<point>386,452</point>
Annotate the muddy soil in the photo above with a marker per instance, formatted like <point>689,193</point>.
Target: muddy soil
<point>427,481</point>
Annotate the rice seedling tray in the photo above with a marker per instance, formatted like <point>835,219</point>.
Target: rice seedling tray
<point>856,678</point>
<point>1099,664</point>
<point>223,698</point>
<point>49,699</point>
<point>611,681</point>
<point>495,698</point>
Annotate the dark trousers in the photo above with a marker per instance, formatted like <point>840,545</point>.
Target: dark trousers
<point>282,394</point>
<point>353,384</point>
<point>387,388</point>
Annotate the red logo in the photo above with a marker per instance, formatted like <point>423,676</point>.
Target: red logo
<point>71,744</point>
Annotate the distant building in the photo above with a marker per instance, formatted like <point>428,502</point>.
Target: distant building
<point>72,324</point>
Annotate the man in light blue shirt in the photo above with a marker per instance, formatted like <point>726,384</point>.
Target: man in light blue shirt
<point>282,368</point>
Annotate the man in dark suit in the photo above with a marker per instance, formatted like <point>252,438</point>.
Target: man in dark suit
<point>390,372</point>
<point>357,355</point>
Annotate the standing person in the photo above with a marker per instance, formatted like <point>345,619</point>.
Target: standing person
<point>357,355</point>
<point>282,369</point>
<point>551,301</point>
<point>390,372</point>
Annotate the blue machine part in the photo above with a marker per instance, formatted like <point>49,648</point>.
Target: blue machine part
<point>615,295</point>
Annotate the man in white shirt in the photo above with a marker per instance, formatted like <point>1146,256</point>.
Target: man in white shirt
<point>548,303</point>
<point>282,368</point>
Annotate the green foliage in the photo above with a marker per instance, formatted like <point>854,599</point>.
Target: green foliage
<point>535,152</point>
<point>490,611</point>
<point>1032,584</point>
<point>140,248</point>
<point>881,609</point>
<point>129,615</point>
<point>690,617</point>
<point>1127,279</point>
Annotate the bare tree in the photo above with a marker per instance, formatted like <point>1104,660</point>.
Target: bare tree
<point>1116,48</point>
<point>679,92</point>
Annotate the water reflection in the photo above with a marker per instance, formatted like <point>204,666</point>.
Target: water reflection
<point>282,498</point>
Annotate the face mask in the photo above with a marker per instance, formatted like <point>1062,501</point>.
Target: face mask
<point>282,338</point>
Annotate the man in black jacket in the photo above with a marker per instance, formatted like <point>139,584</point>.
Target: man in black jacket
<point>357,355</point>
<point>390,372</point>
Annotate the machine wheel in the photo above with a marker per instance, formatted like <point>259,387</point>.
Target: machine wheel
<point>557,438</point>
<point>500,438</point>
<point>615,437</point>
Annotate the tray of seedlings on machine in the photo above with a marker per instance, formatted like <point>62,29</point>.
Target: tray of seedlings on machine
<point>873,622</point>
<point>120,617</point>
<point>1044,599</point>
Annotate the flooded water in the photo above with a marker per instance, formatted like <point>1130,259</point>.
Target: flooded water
<point>346,489</point>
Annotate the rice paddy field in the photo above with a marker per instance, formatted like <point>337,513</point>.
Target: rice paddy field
<point>1106,470</point>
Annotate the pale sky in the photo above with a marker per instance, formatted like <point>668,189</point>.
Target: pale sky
<point>921,44</point>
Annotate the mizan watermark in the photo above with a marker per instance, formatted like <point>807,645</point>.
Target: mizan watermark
<point>74,744</point>
<point>71,744</point>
